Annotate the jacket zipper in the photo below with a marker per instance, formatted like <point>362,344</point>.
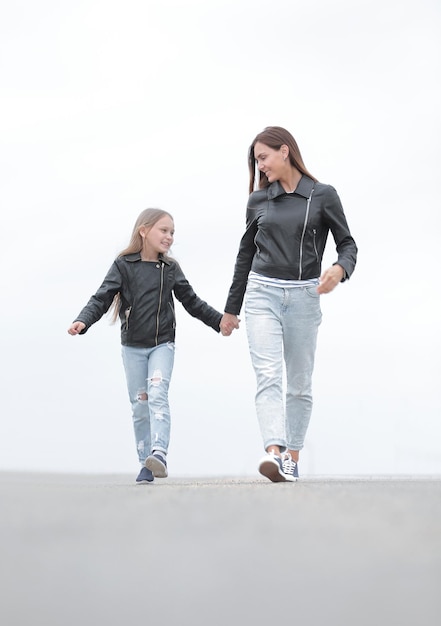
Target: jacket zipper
<point>308,202</point>
<point>160,302</point>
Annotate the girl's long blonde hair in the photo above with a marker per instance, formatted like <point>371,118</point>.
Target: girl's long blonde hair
<point>147,218</point>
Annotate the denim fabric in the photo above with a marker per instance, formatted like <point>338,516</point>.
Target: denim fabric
<point>148,373</point>
<point>282,325</point>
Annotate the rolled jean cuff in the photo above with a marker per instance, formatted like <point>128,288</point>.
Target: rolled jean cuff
<point>159,449</point>
<point>276,442</point>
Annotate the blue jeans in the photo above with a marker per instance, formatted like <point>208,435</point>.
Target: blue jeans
<point>282,326</point>
<point>148,373</point>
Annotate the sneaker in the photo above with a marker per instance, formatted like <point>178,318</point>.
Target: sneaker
<point>271,467</point>
<point>145,476</point>
<point>290,467</point>
<point>157,464</point>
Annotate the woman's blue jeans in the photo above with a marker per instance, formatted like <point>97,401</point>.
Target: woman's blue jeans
<point>282,325</point>
<point>148,373</point>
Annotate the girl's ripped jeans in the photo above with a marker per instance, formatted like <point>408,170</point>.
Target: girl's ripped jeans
<point>148,373</point>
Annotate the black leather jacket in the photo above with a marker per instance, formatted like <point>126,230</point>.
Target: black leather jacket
<point>286,234</point>
<point>147,310</point>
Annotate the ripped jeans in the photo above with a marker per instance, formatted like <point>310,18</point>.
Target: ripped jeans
<point>148,373</point>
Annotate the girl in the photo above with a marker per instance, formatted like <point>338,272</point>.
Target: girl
<point>139,289</point>
<point>278,271</point>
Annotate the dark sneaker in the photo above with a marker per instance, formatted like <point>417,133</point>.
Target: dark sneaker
<point>271,467</point>
<point>145,476</point>
<point>290,467</point>
<point>157,464</point>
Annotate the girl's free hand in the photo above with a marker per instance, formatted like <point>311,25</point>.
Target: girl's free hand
<point>228,323</point>
<point>76,328</point>
<point>330,279</point>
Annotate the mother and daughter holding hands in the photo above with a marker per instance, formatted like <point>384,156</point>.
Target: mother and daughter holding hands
<point>277,274</point>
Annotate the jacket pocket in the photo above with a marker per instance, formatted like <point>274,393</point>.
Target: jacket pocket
<point>173,315</point>
<point>314,243</point>
<point>127,315</point>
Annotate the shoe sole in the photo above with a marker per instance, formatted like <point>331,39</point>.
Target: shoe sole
<point>291,479</point>
<point>144,482</point>
<point>270,469</point>
<point>158,469</point>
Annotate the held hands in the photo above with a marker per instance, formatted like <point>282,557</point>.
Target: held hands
<point>228,323</point>
<point>76,328</point>
<point>330,279</point>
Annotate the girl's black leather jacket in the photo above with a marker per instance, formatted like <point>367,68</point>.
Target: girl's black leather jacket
<point>147,310</point>
<point>286,234</point>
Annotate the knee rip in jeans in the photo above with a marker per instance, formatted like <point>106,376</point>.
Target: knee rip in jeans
<point>142,396</point>
<point>156,379</point>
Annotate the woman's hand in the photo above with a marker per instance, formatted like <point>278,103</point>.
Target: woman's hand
<point>330,279</point>
<point>76,328</point>
<point>228,323</point>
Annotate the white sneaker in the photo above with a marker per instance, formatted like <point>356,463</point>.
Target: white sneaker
<point>271,467</point>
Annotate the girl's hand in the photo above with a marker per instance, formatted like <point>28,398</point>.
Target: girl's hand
<point>330,279</point>
<point>228,323</point>
<point>76,328</point>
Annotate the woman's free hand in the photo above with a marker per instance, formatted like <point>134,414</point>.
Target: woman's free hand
<point>228,323</point>
<point>330,279</point>
<point>76,328</point>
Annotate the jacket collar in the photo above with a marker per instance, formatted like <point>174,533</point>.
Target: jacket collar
<point>304,188</point>
<point>136,256</point>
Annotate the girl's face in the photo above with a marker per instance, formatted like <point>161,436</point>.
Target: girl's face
<point>273,163</point>
<point>158,238</point>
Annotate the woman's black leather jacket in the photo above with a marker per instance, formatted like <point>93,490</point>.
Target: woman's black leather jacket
<point>147,310</point>
<point>286,234</point>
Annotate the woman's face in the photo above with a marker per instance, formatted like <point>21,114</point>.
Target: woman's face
<point>269,161</point>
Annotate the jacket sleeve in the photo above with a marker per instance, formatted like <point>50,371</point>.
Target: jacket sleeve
<point>244,259</point>
<point>336,220</point>
<point>100,302</point>
<point>192,303</point>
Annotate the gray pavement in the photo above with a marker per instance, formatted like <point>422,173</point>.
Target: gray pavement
<point>100,550</point>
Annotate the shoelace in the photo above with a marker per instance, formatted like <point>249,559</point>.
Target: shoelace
<point>288,465</point>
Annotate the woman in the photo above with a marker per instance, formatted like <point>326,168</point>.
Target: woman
<point>278,272</point>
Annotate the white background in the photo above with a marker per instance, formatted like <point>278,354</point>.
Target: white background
<point>110,107</point>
